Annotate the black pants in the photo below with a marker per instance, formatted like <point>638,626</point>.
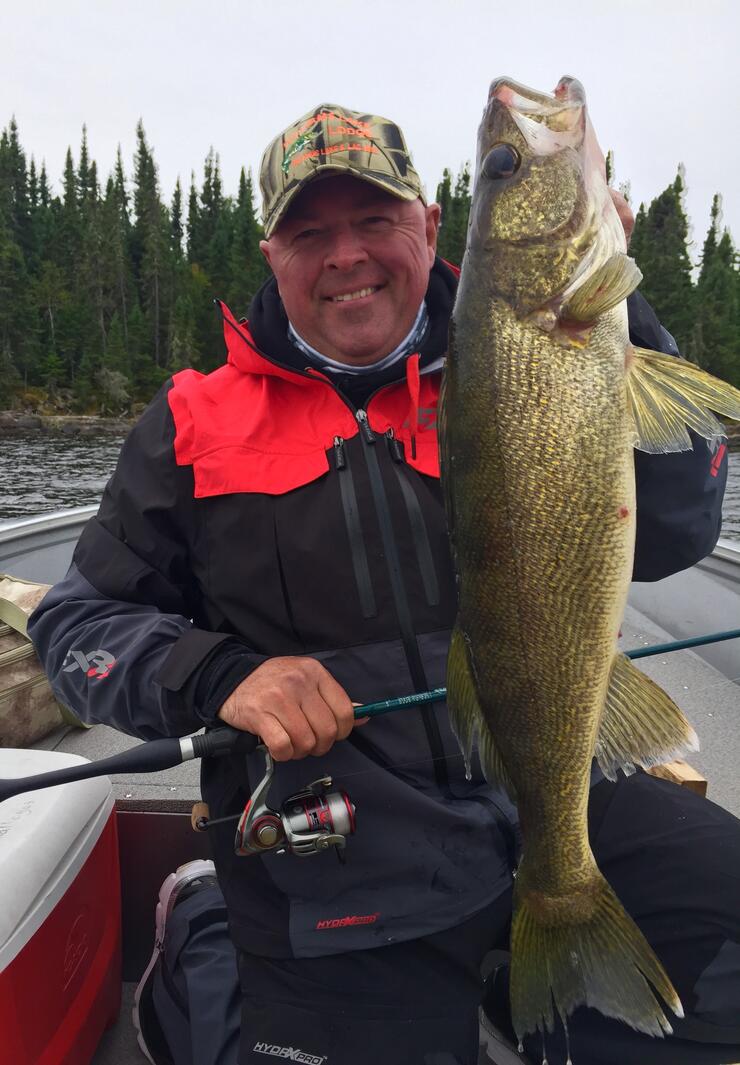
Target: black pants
<point>674,861</point>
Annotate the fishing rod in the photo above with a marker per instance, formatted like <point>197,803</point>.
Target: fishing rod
<point>155,755</point>
<point>680,645</point>
<point>385,706</point>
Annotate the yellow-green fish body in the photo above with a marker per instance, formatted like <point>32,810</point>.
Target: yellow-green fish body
<point>538,424</point>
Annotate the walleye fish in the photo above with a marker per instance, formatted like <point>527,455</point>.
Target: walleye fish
<point>543,402</point>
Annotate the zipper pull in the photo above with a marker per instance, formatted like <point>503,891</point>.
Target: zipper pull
<point>364,424</point>
<point>339,457</point>
<point>394,446</point>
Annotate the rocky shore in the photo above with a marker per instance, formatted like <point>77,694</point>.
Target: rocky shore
<point>12,422</point>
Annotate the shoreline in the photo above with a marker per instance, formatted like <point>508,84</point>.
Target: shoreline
<point>15,422</point>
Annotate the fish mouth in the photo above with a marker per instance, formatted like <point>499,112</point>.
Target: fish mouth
<point>516,96</point>
<point>548,122</point>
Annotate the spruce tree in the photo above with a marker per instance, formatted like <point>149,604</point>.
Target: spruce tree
<point>17,333</point>
<point>176,226</point>
<point>638,240</point>
<point>21,214</point>
<point>44,191</point>
<point>455,211</point>
<point>151,242</point>
<point>247,266</point>
<point>118,226</point>
<point>609,165</point>
<point>660,248</point>
<point>196,250</point>
<point>715,341</point>
<point>84,176</point>
<point>444,199</point>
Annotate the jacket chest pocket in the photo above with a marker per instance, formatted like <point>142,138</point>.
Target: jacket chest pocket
<point>330,557</point>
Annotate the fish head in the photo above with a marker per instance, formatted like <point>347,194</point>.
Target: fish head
<point>541,218</point>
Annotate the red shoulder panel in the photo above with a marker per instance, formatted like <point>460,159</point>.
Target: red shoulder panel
<point>253,426</point>
<point>251,433</point>
<point>394,407</point>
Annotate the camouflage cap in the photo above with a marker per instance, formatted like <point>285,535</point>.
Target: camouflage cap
<point>333,139</point>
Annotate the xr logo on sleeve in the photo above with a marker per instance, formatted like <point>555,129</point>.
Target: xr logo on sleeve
<point>96,664</point>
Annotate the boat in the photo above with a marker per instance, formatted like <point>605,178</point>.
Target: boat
<point>153,811</point>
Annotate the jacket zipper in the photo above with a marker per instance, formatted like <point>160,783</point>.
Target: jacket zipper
<point>354,529</point>
<point>408,636</point>
<point>416,520</point>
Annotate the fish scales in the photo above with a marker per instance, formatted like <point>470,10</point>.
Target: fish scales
<point>539,607</point>
<point>543,401</point>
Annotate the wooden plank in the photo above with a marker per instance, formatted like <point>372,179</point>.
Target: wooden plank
<point>681,773</point>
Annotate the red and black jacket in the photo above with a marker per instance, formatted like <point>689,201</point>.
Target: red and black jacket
<point>268,510</point>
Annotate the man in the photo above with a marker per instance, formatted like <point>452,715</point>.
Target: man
<point>273,548</point>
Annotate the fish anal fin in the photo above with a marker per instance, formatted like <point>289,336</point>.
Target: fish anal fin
<point>605,288</point>
<point>466,717</point>
<point>667,395</point>
<point>582,949</point>
<point>641,724</point>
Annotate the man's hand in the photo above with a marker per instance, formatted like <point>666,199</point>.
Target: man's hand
<point>294,705</point>
<point>625,212</point>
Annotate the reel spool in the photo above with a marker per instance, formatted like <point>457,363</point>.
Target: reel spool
<point>309,822</point>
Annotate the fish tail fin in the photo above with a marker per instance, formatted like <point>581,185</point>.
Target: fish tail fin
<point>641,724</point>
<point>583,949</point>
<point>466,717</point>
<point>666,394</point>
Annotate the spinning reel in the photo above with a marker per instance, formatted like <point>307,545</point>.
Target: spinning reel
<point>311,821</point>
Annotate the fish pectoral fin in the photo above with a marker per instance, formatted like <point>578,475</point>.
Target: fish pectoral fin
<point>641,724</point>
<point>604,289</point>
<point>466,716</point>
<point>582,949</point>
<point>667,394</point>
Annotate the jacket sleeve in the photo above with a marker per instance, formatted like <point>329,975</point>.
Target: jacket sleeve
<point>679,496</point>
<point>118,636</point>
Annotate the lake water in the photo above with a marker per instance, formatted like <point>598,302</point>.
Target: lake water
<point>44,472</point>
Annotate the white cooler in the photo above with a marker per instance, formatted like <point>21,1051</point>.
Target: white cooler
<point>60,915</point>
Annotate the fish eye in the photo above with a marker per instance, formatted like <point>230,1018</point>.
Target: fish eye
<point>501,162</point>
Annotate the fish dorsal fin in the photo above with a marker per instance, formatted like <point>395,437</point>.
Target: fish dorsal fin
<point>667,394</point>
<point>607,286</point>
<point>641,724</point>
<point>466,717</point>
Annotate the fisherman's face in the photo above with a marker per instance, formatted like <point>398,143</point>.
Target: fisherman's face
<point>352,265</point>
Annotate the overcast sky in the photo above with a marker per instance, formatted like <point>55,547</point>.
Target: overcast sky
<point>662,78</point>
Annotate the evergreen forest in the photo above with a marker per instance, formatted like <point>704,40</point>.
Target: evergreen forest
<point>107,288</point>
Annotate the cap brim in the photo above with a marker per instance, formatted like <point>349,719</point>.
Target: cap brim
<point>383,181</point>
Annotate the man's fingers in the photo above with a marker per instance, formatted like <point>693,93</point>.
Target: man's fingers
<point>322,720</point>
<point>339,703</point>
<point>299,727</point>
<point>275,738</point>
<point>294,705</point>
